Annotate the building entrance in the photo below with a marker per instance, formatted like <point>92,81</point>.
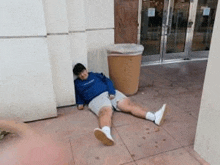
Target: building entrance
<point>176,29</point>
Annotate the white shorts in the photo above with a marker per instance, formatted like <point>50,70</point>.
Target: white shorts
<point>103,100</point>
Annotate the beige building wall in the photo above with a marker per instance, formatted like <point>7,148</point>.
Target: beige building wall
<point>208,133</point>
<point>77,31</point>
<point>26,85</point>
<point>58,40</point>
<point>40,42</point>
<point>100,33</point>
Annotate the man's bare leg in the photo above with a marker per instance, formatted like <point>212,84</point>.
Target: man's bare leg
<point>104,134</point>
<point>126,105</point>
<point>105,117</point>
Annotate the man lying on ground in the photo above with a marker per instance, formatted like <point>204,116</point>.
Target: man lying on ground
<point>98,92</point>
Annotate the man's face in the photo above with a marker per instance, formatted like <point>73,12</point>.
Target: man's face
<point>83,75</point>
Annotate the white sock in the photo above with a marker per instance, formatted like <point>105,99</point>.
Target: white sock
<point>107,130</point>
<point>150,116</point>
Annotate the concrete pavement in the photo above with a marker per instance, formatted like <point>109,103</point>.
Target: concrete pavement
<point>137,141</point>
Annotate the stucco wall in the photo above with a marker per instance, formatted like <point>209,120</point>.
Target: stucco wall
<point>40,43</point>
<point>100,33</point>
<point>58,39</point>
<point>26,86</point>
<point>208,134</point>
<point>77,31</point>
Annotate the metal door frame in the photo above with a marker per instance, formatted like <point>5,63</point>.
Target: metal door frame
<point>166,23</point>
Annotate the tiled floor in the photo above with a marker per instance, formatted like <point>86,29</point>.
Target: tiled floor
<point>138,141</point>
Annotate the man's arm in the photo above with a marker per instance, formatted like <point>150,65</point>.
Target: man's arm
<point>79,101</point>
<point>108,82</point>
<point>111,97</point>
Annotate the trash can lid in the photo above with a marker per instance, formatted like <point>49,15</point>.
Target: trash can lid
<point>130,49</point>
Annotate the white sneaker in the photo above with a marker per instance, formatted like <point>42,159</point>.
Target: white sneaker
<point>103,137</point>
<point>160,114</point>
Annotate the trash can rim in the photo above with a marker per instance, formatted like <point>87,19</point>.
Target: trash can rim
<point>127,48</point>
<point>124,55</point>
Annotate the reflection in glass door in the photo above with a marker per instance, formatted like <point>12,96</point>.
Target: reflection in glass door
<point>176,29</point>
<point>205,17</point>
<point>151,28</point>
<point>164,28</point>
<point>177,26</point>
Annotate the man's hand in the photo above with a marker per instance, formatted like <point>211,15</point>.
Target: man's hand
<point>30,146</point>
<point>80,107</point>
<point>111,97</point>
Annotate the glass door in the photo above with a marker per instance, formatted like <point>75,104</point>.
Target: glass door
<point>151,29</point>
<point>164,28</point>
<point>176,29</point>
<point>204,22</point>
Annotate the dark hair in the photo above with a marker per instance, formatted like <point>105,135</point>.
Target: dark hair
<point>78,68</point>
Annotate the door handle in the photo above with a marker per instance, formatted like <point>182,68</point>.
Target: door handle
<point>166,29</point>
<point>190,23</point>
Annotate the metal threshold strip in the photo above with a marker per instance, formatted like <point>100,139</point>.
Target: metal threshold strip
<point>171,61</point>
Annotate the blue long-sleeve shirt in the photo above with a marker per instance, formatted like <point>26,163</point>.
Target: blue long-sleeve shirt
<point>93,86</point>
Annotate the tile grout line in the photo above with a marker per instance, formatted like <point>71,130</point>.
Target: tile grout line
<point>125,145</point>
<point>172,136</point>
<point>128,124</point>
<point>132,123</point>
<point>72,151</point>
<point>192,154</point>
<point>187,112</point>
<point>160,153</point>
<point>128,163</point>
<point>21,37</point>
<point>175,139</point>
<point>168,150</point>
<point>95,29</point>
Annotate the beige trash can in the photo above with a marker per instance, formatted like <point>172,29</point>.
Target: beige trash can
<point>124,61</point>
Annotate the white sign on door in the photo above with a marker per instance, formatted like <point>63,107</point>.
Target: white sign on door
<point>206,11</point>
<point>151,12</point>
